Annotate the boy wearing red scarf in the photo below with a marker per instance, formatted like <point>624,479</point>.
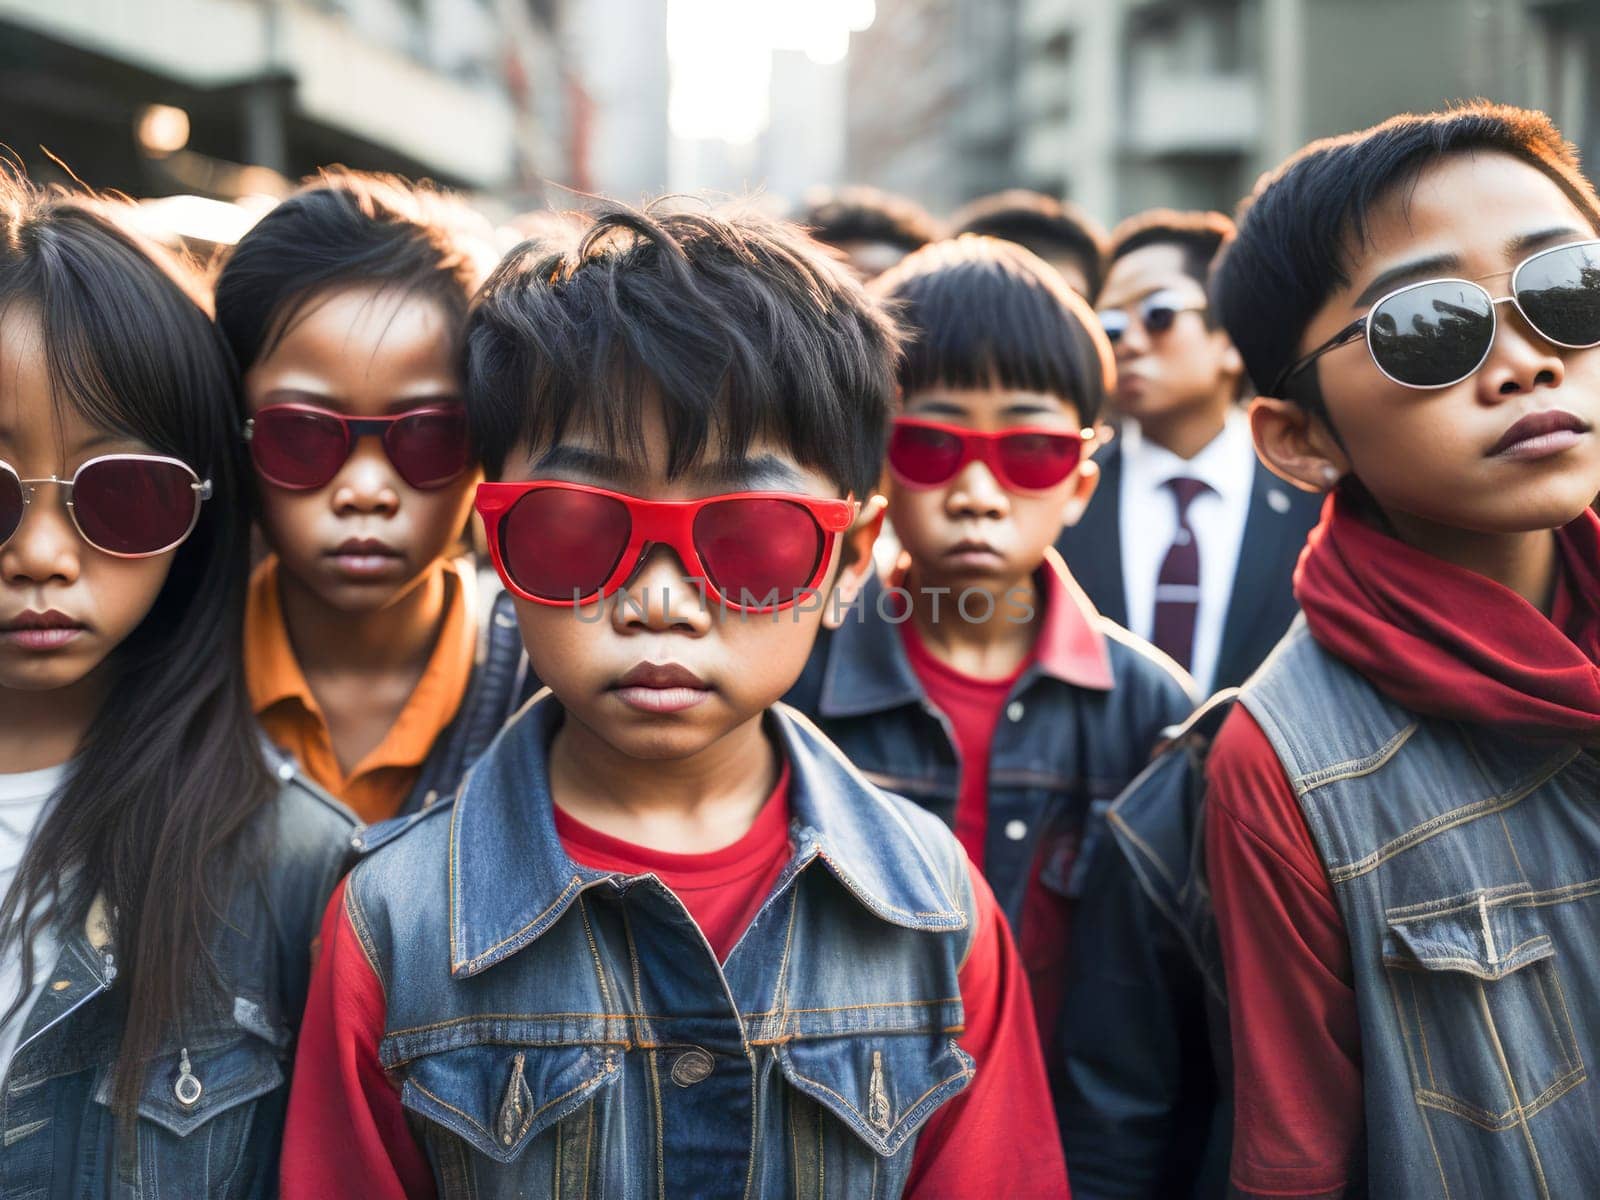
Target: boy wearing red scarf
<point>1402,832</point>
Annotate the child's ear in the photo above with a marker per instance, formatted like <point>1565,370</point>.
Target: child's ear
<point>1296,446</point>
<point>855,559</point>
<point>1086,481</point>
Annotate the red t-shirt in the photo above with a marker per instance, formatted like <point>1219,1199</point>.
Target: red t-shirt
<point>973,706</point>
<point>1299,1110</point>
<point>723,890</point>
<point>347,1135</point>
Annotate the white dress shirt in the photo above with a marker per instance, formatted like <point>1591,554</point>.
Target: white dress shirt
<point>1149,522</point>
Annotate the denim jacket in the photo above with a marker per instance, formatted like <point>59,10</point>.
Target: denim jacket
<point>1466,866</point>
<point>557,1030</point>
<point>1146,1111</point>
<point>211,1113</point>
<point>1080,722</point>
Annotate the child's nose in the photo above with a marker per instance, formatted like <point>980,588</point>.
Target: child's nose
<point>45,546</point>
<point>660,596</point>
<point>366,483</point>
<point>975,492</point>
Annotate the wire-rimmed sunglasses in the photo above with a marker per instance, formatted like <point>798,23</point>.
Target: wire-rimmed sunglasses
<point>125,505</point>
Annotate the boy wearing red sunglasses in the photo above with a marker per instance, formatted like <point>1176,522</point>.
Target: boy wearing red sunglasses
<point>667,941</point>
<point>980,681</point>
<point>1400,830</point>
<point>375,654</point>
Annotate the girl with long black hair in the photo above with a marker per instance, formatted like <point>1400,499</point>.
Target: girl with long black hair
<point>162,870</point>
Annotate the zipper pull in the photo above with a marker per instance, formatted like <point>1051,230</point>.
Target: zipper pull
<point>878,1111</point>
<point>111,969</point>
<point>188,1088</point>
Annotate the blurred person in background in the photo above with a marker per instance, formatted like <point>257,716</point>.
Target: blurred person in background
<point>873,229</point>
<point>1190,542</point>
<point>1062,234</point>
<point>377,654</point>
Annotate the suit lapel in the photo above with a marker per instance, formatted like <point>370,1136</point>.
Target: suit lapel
<point>1261,602</point>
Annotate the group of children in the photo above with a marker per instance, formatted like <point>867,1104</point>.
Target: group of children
<point>640,836</point>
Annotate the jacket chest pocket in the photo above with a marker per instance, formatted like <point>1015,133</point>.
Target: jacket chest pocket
<point>1482,1011</point>
<point>498,1119</point>
<point>856,1104</point>
<point>210,1119</point>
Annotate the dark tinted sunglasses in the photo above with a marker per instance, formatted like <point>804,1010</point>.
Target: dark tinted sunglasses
<point>125,505</point>
<point>1436,333</point>
<point>301,448</point>
<point>567,544</point>
<point>1157,313</point>
<point>926,454</point>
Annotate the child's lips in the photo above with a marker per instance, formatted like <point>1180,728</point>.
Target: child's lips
<point>661,688</point>
<point>33,630</point>
<point>365,558</point>
<point>971,552</point>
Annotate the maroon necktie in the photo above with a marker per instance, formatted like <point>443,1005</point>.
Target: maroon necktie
<point>1178,585</point>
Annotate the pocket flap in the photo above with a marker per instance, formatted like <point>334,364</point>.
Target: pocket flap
<point>499,1098</point>
<point>220,1077</point>
<point>883,1091</point>
<point>1486,935</point>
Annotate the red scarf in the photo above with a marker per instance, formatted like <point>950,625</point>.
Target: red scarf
<point>1447,642</point>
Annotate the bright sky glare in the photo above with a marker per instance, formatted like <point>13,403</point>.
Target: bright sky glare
<point>721,56</point>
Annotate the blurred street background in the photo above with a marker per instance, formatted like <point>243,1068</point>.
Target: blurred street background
<point>1117,105</point>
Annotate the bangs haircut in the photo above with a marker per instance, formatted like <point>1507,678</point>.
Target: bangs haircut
<point>1297,228</point>
<point>1199,237</point>
<point>739,325</point>
<point>348,228</point>
<point>1049,227</point>
<point>979,312</point>
<point>867,214</point>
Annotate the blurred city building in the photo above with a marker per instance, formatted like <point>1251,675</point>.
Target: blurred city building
<point>1124,104</point>
<point>224,98</point>
<point>622,138</point>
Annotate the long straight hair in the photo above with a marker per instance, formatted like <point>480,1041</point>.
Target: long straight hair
<point>169,773</point>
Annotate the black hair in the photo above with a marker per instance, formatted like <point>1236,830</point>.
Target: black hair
<point>1297,228</point>
<point>1049,227</point>
<point>1199,236</point>
<point>866,214</point>
<point>979,312</point>
<point>342,228</point>
<point>741,325</point>
<point>153,811</point>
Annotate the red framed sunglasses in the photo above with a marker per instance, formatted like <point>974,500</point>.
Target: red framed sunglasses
<point>569,544</point>
<point>301,448</point>
<point>926,454</point>
<point>124,505</point>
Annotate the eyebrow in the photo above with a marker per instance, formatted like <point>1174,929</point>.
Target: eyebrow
<point>1422,268</point>
<point>337,403</point>
<point>755,473</point>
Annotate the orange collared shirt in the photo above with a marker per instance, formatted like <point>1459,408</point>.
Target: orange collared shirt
<point>289,713</point>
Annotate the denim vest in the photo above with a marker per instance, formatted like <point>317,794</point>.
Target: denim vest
<point>1466,864</point>
<point>558,1031</point>
<point>211,1112</point>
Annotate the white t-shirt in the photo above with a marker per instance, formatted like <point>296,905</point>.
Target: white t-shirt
<point>24,799</point>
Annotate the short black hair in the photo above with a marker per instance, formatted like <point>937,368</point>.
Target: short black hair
<point>866,214</point>
<point>740,324</point>
<point>1291,250</point>
<point>1198,235</point>
<point>1049,227</point>
<point>349,227</point>
<point>980,312</point>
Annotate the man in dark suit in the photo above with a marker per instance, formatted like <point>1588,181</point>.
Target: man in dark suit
<point>1189,542</point>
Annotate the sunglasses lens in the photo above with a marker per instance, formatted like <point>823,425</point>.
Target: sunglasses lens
<point>10,505</point>
<point>1036,461</point>
<point>759,554</point>
<point>1432,335</point>
<point>429,449</point>
<point>297,449</point>
<point>134,505</point>
<point>559,544</point>
<point>1559,291</point>
<point>1158,318</point>
<point>1115,323</point>
<point>924,457</point>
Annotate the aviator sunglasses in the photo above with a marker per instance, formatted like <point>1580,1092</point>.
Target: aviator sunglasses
<point>301,448</point>
<point>125,505</point>
<point>926,454</point>
<point>1157,313</point>
<point>569,544</point>
<point>1436,333</point>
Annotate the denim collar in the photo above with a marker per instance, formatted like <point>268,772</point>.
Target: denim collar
<point>511,880</point>
<point>868,670</point>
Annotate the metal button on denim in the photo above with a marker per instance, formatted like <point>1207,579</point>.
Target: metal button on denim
<point>692,1067</point>
<point>1014,711</point>
<point>1016,830</point>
